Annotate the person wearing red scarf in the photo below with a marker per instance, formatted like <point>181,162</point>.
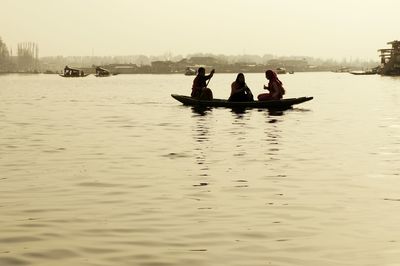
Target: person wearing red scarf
<point>275,88</point>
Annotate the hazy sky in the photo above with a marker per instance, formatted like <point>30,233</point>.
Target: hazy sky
<point>329,29</point>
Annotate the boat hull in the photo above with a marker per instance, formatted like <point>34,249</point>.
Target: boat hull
<point>102,75</point>
<point>273,104</point>
<point>68,76</point>
<point>363,73</point>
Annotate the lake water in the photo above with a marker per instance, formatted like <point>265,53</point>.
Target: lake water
<point>113,171</point>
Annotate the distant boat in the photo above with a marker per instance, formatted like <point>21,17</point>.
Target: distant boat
<point>371,71</point>
<point>70,72</point>
<point>102,72</point>
<point>189,71</point>
<point>281,70</point>
<point>291,72</point>
<point>362,72</point>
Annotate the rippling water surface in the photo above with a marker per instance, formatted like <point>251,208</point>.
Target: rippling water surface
<point>113,171</point>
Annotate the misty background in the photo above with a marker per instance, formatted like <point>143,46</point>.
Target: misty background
<point>326,29</point>
<point>140,32</point>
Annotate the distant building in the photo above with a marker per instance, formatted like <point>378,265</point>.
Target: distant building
<point>289,64</point>
<point>160,67</point>
<point>206,60</point>
<point>123,68</point>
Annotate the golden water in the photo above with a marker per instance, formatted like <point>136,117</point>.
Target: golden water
<point>113,171</point>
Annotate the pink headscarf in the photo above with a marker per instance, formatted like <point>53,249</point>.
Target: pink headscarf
<point>272,76</point>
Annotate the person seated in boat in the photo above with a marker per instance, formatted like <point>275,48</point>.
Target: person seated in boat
<point>275,88</point>
<point>239,90</point>
<point>199,88</point>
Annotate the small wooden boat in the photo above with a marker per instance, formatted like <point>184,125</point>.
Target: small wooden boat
<point>367,72</point>
<point>273,104</point>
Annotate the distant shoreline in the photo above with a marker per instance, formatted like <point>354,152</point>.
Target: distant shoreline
<point>171,73</point>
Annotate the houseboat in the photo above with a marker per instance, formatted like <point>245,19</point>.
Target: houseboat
<point>390,60</point>
<point>70,72</point>
<point>102,72</point>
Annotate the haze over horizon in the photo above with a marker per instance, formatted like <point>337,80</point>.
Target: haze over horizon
<point>335,29</point>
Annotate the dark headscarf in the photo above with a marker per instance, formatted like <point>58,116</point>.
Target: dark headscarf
<point>240,82</point>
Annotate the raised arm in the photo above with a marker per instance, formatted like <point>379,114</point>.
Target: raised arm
<point>210,75</point>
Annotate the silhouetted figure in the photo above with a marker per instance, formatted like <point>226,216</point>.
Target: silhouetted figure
<point>66,71</point>
<point>199,88</point>
<point>275,88</point>
<point>239,90</point>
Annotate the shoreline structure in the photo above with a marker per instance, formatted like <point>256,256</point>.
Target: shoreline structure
<point>27,60</point>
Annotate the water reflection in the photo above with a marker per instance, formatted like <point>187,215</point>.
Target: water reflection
<point>275,112</point>
<point>280,112</point>
<point>239,114</point>
<point>239,134</point>
<point>260,187</point>
<point>301,110</point>
<point>200,110</point>
<point>273,137</point>
<point>239,110</point>
<point>201,136</point>
<point>201,130</point>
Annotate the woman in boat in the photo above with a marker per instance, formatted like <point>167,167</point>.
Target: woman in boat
<point>275,88</point>
<point>239,90</point>
<point>199,88</point>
